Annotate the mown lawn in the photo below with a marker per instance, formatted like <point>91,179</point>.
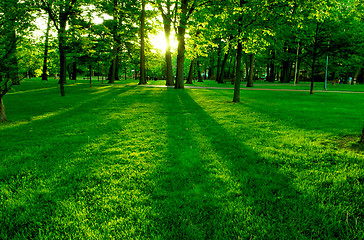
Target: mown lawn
<point>318,86</point>
<point>127,162</point>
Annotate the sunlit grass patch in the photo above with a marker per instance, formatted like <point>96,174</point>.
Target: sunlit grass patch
<point>126,162</point>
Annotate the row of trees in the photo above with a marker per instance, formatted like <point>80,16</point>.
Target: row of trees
<point>227,39</point>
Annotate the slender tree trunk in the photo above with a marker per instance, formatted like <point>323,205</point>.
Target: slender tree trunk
<point>62,53</point>
<point>14,70</point>
<point>239,51</point>
<point>181,31</point>
<point>230,74</point>
<point>102,73</point>
<point>314,59</point>
<point>69,71</point>
<point>234,69</point>
<point>190,73</point>
<point>296,64</point>
<point>90,71</point>
<point>220,78</point>
<point>218,69</point>
<point>251,71</point>
<point>74,71</point>
<point>360,78</point>
<point>199,77</point>
<point>2,110</point>
<point>272,68</point>
<point>298,71</point>
<point>143,79</point>
<point>238,73</point>
<point>168,54</point>
<point>285,72</point>
<point>98,71</point>
<point>114,69</point>
<point>362,137</point>
<point>211,67</point>
<point>45,57</point>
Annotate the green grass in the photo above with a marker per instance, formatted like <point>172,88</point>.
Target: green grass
<point>127,162</point>
<point>318,86</point>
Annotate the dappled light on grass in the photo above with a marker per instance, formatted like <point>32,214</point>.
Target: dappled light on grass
<point>126,163</point>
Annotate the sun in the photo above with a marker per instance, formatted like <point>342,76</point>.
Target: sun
<point>158,41</point>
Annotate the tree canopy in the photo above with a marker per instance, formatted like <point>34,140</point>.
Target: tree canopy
<point>235,40</point>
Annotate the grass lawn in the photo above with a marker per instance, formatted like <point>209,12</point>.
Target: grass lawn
<point>128,162</point>
<point>318,86</point>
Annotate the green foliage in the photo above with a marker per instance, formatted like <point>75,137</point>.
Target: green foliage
<point>15,19</point>
<point>127,162</point>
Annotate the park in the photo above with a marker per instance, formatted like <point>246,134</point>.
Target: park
<point>250,127</point>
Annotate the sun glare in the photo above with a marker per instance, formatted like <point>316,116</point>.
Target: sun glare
<point>159,42</point>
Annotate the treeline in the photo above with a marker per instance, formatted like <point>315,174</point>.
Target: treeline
<point>225,40</point>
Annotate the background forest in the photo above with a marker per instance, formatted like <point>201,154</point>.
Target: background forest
<point>281,41</point>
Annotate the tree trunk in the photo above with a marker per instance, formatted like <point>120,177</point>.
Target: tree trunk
<point>190,73</point>
<point>230,74</point>
<point>211,67</point>
<point>114,68</point>
<point>272,75</point>
<point>251,71</point>
<point>181,45</point>
<point>2,110</point>
<point>362,136</point>
<point>220,78</point>
<point>74,71</point>
<point>314,59</point>
<point>143,79</point>
<point>218,69</point>
<point>238,73</point>
<point>285,72</point>
<point>45,57</point>
<point>102,73</point>
<point>199,77</point>
<point>90,72</point>
<point>298,71</point>
<point>14,70</point>
<point>62,53</point>
<point>296,66</point>
<point>168,55</point>
<point>69,71</point>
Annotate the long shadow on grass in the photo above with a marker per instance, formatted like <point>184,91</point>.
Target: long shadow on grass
<point>44,190</point>
<point>321,112</point>
<point>212,186</point>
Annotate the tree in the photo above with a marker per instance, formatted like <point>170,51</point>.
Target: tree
<point>122,30</point>
<point>143,77</point>
<point>166,10</point>
<point>186,9</point>
<point>46,46</point>
<point>14,21</point>
<point>59,12</point>
<point>181,31</point>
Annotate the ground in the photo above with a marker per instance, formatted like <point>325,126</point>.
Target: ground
<point>128,162</point>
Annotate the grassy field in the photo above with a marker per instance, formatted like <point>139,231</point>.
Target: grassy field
<point>318,86</point>
<point>128,162</point>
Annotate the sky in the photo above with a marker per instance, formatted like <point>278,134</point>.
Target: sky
<point>157,40</point>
